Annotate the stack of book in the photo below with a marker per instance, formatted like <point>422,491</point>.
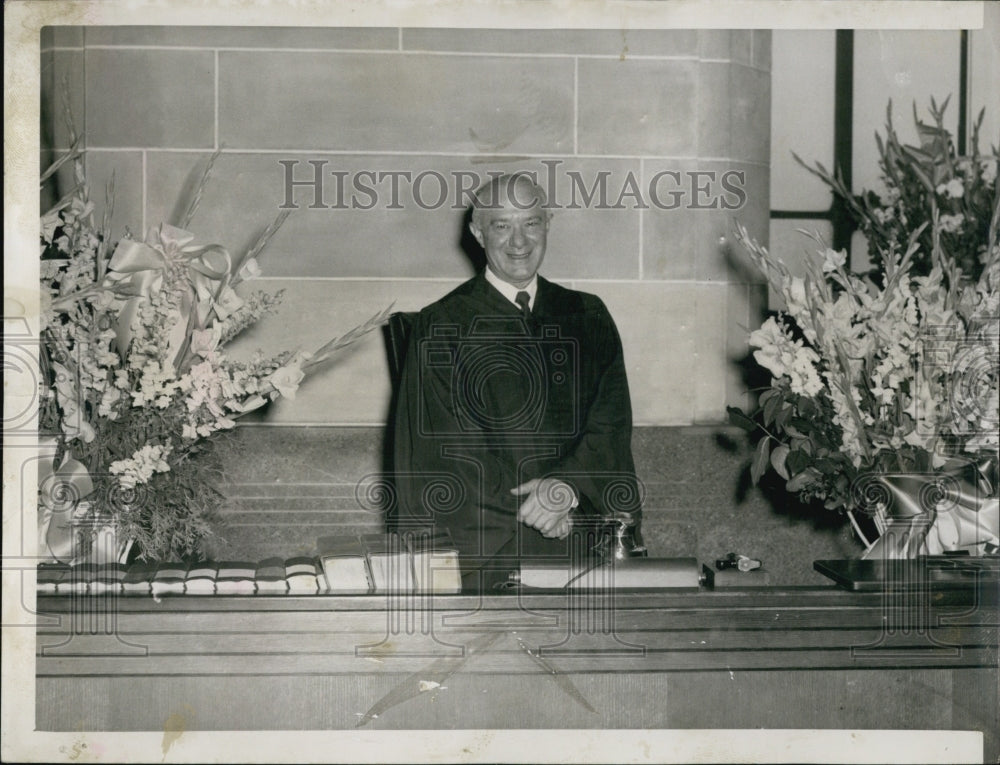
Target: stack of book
<point>415,562</point>
<point>236,578</point>
<point>108,579</point>
<point>200,579</point>
<point>169,579</point>
<point>270,577</point>
<point>302,575</point>
<point>435,562</point>
<point>50,575</point>
<point>139,579</point>
<point>360,564</point>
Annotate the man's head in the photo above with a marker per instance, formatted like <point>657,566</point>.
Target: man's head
<point>510,223</point>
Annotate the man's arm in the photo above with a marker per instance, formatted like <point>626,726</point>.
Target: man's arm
<point>599,464</point>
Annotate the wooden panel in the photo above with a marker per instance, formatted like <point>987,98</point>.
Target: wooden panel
<point>820,699</point>
<point>807,657</point>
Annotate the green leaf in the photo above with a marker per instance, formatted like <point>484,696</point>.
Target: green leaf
<point>769,407</point>
<point>778,456</point>
<point>759,464</point>
<point>807,407</point>
<point>797,461</point>
<point>794,432</point>
<point>768,394</point>
<point>783,416</point>
<point>827,466</point>
<point>801,443</point>
<point>736,417</point>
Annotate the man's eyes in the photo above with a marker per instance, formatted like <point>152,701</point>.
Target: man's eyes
<point>499,225</point>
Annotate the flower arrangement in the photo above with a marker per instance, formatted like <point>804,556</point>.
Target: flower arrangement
<point>882,378</point>
<point>136,382</point>
<point>922,184</point>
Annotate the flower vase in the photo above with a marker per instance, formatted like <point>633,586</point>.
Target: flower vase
<point>952,510</point>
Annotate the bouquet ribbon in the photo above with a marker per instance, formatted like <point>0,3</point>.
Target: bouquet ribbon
<point>952,509</point>
<point>60,490</point>
<point>137,269</point>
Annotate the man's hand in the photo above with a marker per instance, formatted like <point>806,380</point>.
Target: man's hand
<point>547,506</point>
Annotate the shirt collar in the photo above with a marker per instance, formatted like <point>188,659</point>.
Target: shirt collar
<point>509,291</point>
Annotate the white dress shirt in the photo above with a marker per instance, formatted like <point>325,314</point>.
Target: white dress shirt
<point>509,291</point>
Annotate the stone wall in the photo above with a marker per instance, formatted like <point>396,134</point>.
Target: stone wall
<point>645,113</point>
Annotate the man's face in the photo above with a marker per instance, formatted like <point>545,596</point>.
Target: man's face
<point>513,238</point>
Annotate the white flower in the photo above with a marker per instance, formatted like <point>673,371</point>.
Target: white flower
<point>805,380</point>
<point>833,260</point>
<point>286,379</point>
<point>204,342</point>
<point>142,465</point>
<point>227,302</point>
<point>953,188</point>
<point>249,270</point>
<point>989,167</point>
<point>770,339</point>
<point>890,197</point>
<point>951,223</point>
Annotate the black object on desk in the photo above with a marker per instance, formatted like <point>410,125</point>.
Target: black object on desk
<point>937,571</point>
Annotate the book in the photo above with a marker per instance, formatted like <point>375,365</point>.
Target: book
<point>48,577</point>
<point>344,564</point>
<point>389,561</point>
<point>627,574</point>
<point>169,578</point>
<point>78,579</point>
<point>435,561</point>
<point>108,580</point>
<point>236,578</point>
<point>200,579</point>
<point>138,579</point>
<point>300,574</point>
<point>270,577</point>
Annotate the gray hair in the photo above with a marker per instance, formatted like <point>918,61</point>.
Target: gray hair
<point>489,195</point>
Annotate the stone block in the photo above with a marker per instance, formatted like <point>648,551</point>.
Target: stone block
<point>670,381</point>
<point>750,113</point>
<point>410,102</point>
<point>124,169</point>
<point>637,107</point>
<point>61,37</point>
<point>353,388</point>
<point>399,237</point>
<point>61,87</point>
<point>573,42</point>
<point>341,38</point>
<point>695,240</point>
<point>154,98</point>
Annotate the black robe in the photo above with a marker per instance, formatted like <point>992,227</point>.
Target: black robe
<point>488,401</point>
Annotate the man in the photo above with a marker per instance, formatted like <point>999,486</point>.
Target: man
<point>513,421</point>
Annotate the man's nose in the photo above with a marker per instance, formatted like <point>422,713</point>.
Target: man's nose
<point>517,237</point>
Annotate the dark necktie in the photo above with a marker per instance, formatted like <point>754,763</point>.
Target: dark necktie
<point>523,299</point>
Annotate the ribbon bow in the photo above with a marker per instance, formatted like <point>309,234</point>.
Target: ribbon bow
<point>953,509</point>
<point>60,490</point>
<point>137,269</point>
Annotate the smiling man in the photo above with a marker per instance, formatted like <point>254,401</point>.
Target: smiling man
<point>513,424</point>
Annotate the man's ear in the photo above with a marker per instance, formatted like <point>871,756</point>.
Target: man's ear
<point>476,232</point>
